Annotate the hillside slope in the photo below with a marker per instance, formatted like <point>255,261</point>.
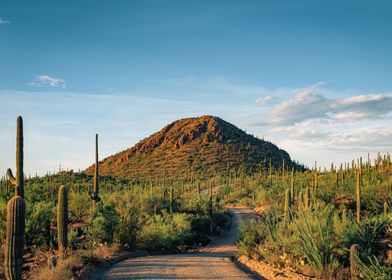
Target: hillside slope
<point>201,145</point>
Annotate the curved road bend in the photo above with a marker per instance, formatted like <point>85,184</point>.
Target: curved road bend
<point>211,262</point>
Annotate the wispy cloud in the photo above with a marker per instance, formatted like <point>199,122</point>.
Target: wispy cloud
<point>48,81</point>
<point>308,103</point>
<point>4,22</point>
<point>264,99</point>
<point>319,135</point>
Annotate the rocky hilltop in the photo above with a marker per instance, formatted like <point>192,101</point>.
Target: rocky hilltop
<point>201,145</point>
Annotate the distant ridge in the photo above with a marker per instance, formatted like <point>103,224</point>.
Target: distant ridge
<point>200,145</point>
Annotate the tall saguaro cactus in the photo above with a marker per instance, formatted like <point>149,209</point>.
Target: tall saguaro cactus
<point>18,180</point>
<point>95,194</point>
<point>171,198</point>
<point>211,208</point>
<point>307,198</point>
<point>62,218</point>
<point>292,190</point>
<point>13,259</point>
<point>358,194</point>
<point>287,205</point>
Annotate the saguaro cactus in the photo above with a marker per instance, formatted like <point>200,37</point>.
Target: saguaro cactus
<point>287,205</point>
<point>62,218</point>
<point>95,194</point>
<point>16,209</point>
<point>354,257</point>
<point>292,191</point>
<point>211,208</point>
<point>18,180</point>
<point>270,172</point>
<point>315,176</point>
<point>307,198</point>
<point>358,194</point>
<point>171,198</point>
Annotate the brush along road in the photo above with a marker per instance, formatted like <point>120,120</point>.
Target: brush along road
<point>211,262</point>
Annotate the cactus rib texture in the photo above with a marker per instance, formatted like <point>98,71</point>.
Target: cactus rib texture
<point>62,218</point>
<point>16,210</point>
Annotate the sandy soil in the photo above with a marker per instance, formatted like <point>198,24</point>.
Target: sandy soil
<point>211,262</point>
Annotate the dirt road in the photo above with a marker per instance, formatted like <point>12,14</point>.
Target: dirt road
<point>211,262</point>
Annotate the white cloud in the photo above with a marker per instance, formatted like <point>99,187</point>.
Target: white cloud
<point>305,104</point>
<point>309,103</point>
<point>4,22</point>
<point>264,99</point>
<point>47,81</point>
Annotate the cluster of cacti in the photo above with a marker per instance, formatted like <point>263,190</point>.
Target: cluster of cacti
<point>297,187</point>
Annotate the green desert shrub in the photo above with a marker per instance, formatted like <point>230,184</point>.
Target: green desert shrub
<point>103,225</point>
<point>315,231</point>
<point>79,206</point>
<point>252,233</point>
<point>366,234</point>
<point>164,232</point>
<point>38,220</point>
<point>371,269</point>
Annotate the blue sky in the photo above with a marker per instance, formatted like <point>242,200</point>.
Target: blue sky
<point>312,76</point>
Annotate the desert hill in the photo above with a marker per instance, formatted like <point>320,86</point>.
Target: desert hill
<point>201,145</point>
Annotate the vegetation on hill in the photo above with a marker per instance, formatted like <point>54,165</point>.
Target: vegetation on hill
<point>202,146</point>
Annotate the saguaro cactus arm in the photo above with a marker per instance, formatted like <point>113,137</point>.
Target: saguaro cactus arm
<point>11,177</point>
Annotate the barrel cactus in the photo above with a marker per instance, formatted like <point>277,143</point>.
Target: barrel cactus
<point>13,259</point>
<point>62,218</point>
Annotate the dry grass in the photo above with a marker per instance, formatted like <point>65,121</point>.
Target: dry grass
<point>78,264</point>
